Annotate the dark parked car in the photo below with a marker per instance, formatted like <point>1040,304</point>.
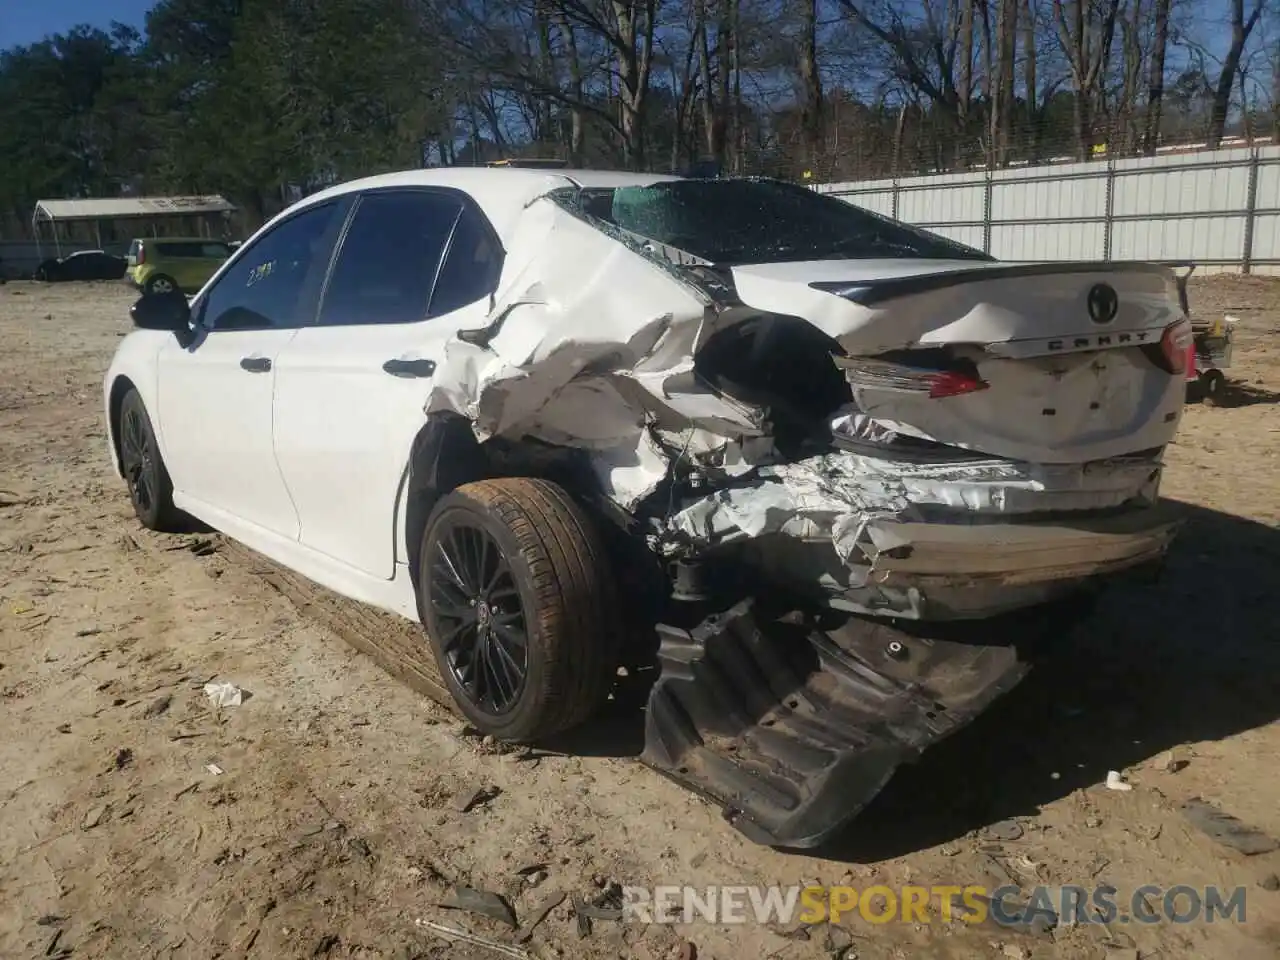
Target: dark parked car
<point>83,265</point>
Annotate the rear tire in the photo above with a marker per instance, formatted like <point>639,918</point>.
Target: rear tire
<point>160,283</point>
<point>150,489</point>
<point>520,608</point>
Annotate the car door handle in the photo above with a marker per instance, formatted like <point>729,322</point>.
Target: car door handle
<point>255,364</point>
<point>410,368</point>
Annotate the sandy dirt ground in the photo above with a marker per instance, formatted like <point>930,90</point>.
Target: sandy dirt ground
<point>337,821</point>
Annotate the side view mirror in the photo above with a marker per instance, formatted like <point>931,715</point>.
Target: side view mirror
<point>164,311</point>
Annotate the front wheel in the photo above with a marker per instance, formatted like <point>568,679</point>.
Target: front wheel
<point>150,488</point>
<point>519,606</point>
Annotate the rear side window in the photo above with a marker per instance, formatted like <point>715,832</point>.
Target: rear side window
<point>210,249</point>
<point>387,266</point>
<point>472,267</point>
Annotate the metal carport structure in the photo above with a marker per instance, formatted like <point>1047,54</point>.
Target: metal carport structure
<point>120,208</point>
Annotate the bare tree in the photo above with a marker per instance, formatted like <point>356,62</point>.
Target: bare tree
<point>1086,30</point>
<point>1029,63</point>
<point>810,79</point>
<point>632,38</point>
<point>1133,26</point>
<point>1003,93</point>
<point>1241,27</point>
<point>714,95</point>
<point>1275,93</point>
<point>932,55</point>
<point>1155,83</point>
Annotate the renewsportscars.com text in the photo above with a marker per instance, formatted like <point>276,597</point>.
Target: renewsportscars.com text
<point>1007,906</point>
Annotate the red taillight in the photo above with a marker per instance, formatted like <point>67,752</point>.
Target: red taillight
<point>1174,344</point>
<point>141,255</point>
<point>933,372</point>
<point>951,383</point>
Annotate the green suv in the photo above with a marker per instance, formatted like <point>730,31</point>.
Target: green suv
<point>161,264</point>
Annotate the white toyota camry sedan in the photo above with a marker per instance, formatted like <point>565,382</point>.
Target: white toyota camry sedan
<point>804,458</point>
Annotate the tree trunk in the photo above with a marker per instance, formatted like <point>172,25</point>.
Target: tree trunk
<point>635,57</point>
<point>899,130</point>
<point>1275,96</point>
<point>724,69</point>
<point>1155,85</point>
<point>964,80</point>
<point>712,116</point>
<point>576,125</point>
<point>546,73</point>
<point>1240,30</point>
<point>1029,79</point>
<point>1087,57</point>
<point>686,87</point>
<point>811,81</point>
<point>1132,75</point>
<point>737,126</point>
<point>1084,127</point>
<point>1002,102</point>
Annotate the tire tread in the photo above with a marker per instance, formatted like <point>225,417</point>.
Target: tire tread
<point>164,516</point>
<point>574,595</point>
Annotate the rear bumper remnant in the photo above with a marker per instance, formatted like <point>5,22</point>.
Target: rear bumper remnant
<point>792,728</point>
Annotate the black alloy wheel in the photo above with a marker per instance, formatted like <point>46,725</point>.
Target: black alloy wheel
<point>520,607</point>
<point>150,488</point>
<point>483,632</point>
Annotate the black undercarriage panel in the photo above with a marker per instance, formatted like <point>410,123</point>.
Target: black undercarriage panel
<point>793,723</point>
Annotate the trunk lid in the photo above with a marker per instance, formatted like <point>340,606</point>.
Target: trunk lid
<point>1050,363</point>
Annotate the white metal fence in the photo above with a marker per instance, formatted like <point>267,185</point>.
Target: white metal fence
<point>1219,209</point>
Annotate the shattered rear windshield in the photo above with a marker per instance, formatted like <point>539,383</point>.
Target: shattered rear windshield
<point>762,221</point>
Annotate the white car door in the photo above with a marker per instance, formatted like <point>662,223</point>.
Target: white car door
<point>215,396</point>
<point>414,267</point>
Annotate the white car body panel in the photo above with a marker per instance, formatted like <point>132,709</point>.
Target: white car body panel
<point>1104,403</point>
<point>394,595</point>
<point>217,421</point>
<point>344,428</point>
<point>136,362</point>
<point>589,344</point>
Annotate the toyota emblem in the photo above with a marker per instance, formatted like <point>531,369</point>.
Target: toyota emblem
<point>1103,303</point>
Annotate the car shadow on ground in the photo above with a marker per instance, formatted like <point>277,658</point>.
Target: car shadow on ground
<point>1234,394</point>
<point>1193,657</point>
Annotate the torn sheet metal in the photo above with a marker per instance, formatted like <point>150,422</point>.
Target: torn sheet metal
<point>591,342</point>
<point>908,530</point>
<point>588,344</point>
<point>579,303</point>
<point>811,498</point>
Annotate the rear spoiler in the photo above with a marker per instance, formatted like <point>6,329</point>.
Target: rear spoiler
<point>868,293</point>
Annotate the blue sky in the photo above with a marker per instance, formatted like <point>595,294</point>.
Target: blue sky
<point>26,21</point>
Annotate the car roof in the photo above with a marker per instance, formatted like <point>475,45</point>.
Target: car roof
<point>501,192</point>
<point>178,240</point>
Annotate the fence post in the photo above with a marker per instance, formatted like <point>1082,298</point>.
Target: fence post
<point>1109,216</point>
<point>986,213</point>
<point>1251,207</point>
<point>894,200</point>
